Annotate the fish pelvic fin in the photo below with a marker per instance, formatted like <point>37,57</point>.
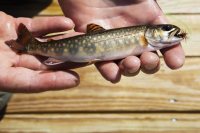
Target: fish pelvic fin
<point>24,39</point>
<point>52,61</point>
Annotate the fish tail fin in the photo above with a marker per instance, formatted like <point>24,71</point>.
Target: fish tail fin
<point>24,39</point>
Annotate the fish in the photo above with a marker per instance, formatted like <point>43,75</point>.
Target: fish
<point>99,44</point>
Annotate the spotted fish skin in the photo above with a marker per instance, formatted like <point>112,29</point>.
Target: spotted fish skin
<point>99,44</point>
<point>105,45</point>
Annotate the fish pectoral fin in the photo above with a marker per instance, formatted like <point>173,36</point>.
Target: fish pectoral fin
<point>52,61</point>
<point>91,28</point>
<point>93,61</point>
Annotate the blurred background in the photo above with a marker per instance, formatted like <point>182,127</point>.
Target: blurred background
<point>168,101</point>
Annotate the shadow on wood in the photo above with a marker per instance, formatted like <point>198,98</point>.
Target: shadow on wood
<point>24,8</point>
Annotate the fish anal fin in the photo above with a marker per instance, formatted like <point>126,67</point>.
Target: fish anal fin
<point>52,61</point>
<point>91,28</point>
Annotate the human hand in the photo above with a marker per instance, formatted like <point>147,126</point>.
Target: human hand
<point>119,13</point>
<point>25,73</point>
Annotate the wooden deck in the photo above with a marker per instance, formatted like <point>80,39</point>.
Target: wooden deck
<point>168,101</point>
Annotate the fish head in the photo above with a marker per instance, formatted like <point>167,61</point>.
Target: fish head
<point>164,35</point>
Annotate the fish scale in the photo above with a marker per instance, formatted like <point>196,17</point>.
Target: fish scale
<point>100,44</point>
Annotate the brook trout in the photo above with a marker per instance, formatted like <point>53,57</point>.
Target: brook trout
<point>99,44</point>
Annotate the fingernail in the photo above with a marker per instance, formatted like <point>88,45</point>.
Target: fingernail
<point>73,78</point>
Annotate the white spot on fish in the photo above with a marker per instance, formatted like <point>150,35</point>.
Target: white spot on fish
<point>84,41</point>
<point>102,36</point>
<point>65,50</point>
<point>80,49</point>
<point>132,40</point>
<point>113,42</point>
<point>120,41</point>
<point>52,49</point>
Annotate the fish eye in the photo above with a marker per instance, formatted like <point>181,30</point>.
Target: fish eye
<point>167,27</point>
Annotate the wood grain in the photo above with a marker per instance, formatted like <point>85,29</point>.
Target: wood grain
<point>165,91</point>
<point>189,23</point>
<point>180,6</point>
<point>101,123</point>
<point>52,10</point>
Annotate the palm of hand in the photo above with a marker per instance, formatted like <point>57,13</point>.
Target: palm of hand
<point>6,54</point>
<point>118,13</point>
<point>25,73</point>
<point>111,15</point>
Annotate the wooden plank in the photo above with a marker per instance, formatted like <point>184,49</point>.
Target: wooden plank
<point>167,90</point>
<point>190,23</point>
<point>169,7</point>
<point>52,9</point>
<point>106,123</point>
<point>180,6</point>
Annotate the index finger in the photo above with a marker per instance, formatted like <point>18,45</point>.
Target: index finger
<point>23,80</point>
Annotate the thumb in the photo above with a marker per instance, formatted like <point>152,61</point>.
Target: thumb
<point>160,18</point>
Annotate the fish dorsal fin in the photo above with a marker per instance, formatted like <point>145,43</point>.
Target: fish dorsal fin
<point>52,61</point>
<point>91,28</point>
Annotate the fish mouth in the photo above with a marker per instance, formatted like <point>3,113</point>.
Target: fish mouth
<point>180,34</point>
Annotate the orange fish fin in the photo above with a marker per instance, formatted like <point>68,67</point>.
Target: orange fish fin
<point>24,38</point>
<point>52,61</point>
<point>143,41</point>
<point>91,28</point>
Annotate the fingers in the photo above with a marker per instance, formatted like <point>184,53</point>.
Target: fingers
<point>27,81</point>
<point>174,56</point>
<point>36,63</point>
<point>43,25</point>
<point>130,66</point>
<point>150,62</point>
<point>30,62</point>
<point>109,70</point>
